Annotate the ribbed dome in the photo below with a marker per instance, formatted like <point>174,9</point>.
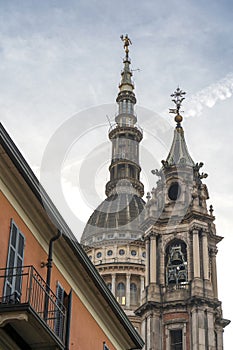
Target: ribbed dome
<point>118,213</point>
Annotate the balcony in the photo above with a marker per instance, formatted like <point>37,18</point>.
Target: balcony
<point>179,291</point>
<point>122,128</point>
<point>32,315</point>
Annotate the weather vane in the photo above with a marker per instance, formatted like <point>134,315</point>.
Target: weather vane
<point>178,98</point>
<point>127,42</point>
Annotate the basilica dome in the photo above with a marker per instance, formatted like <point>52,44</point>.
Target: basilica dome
<point>117,217</point>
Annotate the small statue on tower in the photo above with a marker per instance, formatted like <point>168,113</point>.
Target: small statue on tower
<point>127,42</point>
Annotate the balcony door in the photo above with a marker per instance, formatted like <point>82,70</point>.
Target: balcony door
<point>13,279</point>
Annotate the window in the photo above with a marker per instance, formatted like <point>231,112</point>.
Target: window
<point>59,316</point>
<point>176,339</point>
<point>133,294</point>
<point>98,255</point>
<point>12,288</point>
<point>174,191</point>
<point>105,347</point>
<point>109,252</point>
<point>176,264</point>
<point>121,252</point>
<point>121,293</point>
<point>133,252</point>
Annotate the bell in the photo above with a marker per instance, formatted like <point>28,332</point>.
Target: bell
<point>182,276</point>
<point>171,277</point>
<point>176,259</point>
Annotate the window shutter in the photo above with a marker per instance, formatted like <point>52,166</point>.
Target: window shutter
<point>12,288</point>
<point>59,317</point>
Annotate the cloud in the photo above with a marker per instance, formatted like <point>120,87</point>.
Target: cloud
<point>210,95</point>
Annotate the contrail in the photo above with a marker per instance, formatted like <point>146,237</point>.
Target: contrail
<point>210,95</point>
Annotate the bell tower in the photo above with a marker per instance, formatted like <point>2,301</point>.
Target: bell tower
<point>180,308</point>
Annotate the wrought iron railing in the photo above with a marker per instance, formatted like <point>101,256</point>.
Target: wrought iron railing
<point>24,286</point>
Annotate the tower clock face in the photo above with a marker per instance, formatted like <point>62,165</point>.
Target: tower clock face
<point>174,191</point>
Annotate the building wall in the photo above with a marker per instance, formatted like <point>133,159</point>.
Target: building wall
<point>85,333</point>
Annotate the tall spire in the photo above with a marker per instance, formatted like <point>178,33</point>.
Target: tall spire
<point>126,75</point>
<point>121,210</point>
<point>179,154</point>
<point>125,136</point>
<point>126,98</point>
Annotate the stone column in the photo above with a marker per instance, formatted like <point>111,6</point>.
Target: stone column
<point>194,329</point>
<point>219,332</point>
<point>115,171</point>
<point>210,329</point>
<point>161,261</point>
<point>114,284</point>
<point>141,287</point>
<point>205,255</point>
<point>153,268</point>
<point>196,254</point>
<point>127,170</point>
<point>213,253</point>
<point>147,280</point>
<point>128,276</point>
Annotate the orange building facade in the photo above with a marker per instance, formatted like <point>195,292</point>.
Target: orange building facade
<point>51,296</point>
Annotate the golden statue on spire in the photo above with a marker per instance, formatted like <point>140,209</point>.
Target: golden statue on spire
<point>127,42</point>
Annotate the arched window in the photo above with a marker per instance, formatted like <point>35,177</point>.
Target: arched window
<point>121,293</point>
<point>133,294</point>
<point>176,263</point>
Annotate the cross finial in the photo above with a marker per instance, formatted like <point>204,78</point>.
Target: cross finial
<point>177,98</point>
<point>127,42</point>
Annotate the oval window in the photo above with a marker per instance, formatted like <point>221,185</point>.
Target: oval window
<point>98,255</point>
<point>174,191</point>
<point>133,252</point>
<point>109,252</point>
<point>121,252</point>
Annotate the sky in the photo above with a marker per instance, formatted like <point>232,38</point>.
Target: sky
<point>60,64</point>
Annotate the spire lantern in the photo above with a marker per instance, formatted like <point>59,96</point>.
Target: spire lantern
<point>126,83</point>
<point>126,98</point>
<point>125,136</point>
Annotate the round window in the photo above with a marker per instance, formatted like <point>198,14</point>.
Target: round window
<point>99,254</point>
<point>174,191</point>
<point>133,252</point>
<point>144,254</point>
<point>109,252</point>
<point>121,252</point>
